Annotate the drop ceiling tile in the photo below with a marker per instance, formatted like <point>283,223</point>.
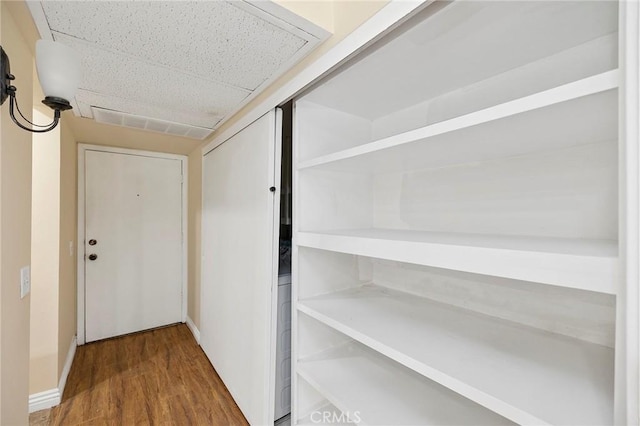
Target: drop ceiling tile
<point>211,39</point>
<point>129,79</point>
<point>189,62</point>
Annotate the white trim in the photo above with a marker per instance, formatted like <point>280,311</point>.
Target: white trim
<point>82,148</point>
<point>67,365</point>
<point>202,237</point>
<point>52,397</point>
<point>275,154</point>
<point>40,19</point>
<point>295,387</point>
<point>627,350</point>
<point>388,18</point>
<point>80,253</point>
<point>139,152</point>
<point>185,236</point>
<point>193,328</point>
<point>43,400</point>
<point>282,17</point>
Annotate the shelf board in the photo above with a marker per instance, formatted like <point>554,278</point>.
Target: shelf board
<point>378,391</point>
<point>572,263</point>
<point>580,112</point>
<point>334,414</point>
<point>454,45</point>
<point>524,374</point>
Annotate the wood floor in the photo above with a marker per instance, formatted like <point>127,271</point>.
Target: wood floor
<point>158,377</point>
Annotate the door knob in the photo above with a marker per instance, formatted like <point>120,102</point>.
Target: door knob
<point>93,256</point>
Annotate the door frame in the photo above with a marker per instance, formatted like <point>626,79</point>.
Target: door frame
<point>80,244</point>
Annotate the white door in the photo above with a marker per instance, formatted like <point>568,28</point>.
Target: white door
<point>240,227</point>
<point>133,243</point>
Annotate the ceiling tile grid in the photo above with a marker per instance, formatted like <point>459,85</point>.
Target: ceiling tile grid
<point>192,62</point>
<point>110,73</point>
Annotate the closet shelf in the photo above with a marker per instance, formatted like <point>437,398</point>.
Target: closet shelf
<point>524,374</point>
<point>312,418</point>
<point>376,390</point>
<point>572,263</point>
<point>580,112</point>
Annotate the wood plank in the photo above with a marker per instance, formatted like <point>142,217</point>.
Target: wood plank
<point>157,377</point>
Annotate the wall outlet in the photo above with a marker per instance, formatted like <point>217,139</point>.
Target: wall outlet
<point>25,281</point>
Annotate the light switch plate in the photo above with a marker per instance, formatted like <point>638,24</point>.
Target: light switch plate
<point>25,281</point>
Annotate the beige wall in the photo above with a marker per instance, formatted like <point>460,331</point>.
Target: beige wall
<point>90,132</point>
<point>15,231</point>
<point>53,295</point>
<point>68,231</point>
<point>53,265</point>
<point>45,265</point>
<point>339,17</point>
<point>194,221</point>
<point>320,12</point>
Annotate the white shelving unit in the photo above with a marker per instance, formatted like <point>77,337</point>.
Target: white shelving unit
<point>554,368</point>
<point>456,222</point>
<point>581,264</point>
<point>585,110</point>
<point>375,391</point>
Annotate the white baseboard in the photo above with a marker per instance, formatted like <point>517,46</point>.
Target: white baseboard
<point>194,329</point>
<point>43,400</point>
<point>67,364</point>
<point>52,397</point>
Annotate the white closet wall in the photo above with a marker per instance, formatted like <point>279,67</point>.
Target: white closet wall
<point>240,220</point>
<point>456,222</point>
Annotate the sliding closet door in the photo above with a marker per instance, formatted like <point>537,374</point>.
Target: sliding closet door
<point>239,273</point>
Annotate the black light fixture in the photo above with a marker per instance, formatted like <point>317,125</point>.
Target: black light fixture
<point>59,74</point>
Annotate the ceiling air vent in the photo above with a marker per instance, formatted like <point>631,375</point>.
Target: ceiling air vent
<point>124,119</point>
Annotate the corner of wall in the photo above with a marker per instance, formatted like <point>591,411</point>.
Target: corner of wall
<point>67,279</point>
<point>194,235</point>
<point>45,202</point>
<point>15,227</point>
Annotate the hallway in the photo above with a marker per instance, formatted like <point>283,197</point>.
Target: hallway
<point>158,377</point>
